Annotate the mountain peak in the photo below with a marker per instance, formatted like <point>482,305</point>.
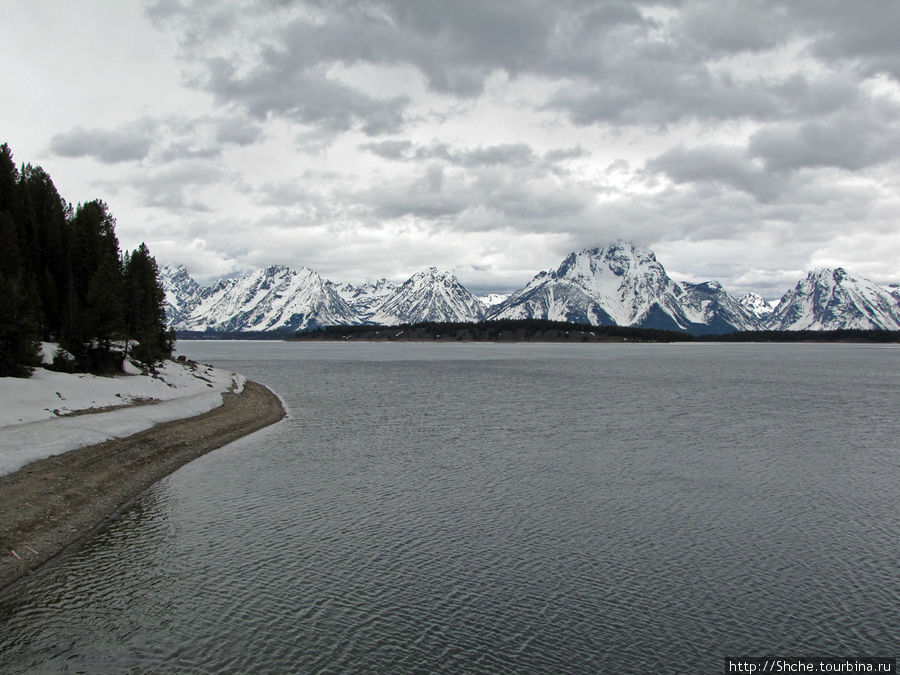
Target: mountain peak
<point>756,305</point>
<point>432,272</point>
<point>618,257</point>
<point>619,283</point>
<point>624,248</point>
<point>838,274</point>
<point>832,298</point>
<point>275,270</point>
<point>429,295</point>
<point>273,298</point>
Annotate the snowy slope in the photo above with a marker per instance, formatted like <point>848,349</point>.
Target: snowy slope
<point>274,298</point>
<point>831,299</point>
<point>548,297</point>
<point>429,296</point>
<point>894,290</point>
<point>492,299</point>
<point>48,394</point>
<point>619,284</point>
<point>183,293</point>
<point>366,298</point>
<point>623,284</point>
<point>709,305</point>
<point>35,419</point>
<point>756,305</point>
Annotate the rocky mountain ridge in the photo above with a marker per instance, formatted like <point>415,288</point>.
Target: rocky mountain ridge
<point>618,284</point>
<point>625,285</point>
<point>831,299</point>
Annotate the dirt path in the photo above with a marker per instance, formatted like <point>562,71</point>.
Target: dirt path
<point>51,503</point>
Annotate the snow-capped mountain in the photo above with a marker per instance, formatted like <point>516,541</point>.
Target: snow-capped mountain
<point>366,298</point>
<point>757,305</point>
<point>429,296</point>
<point>492,299</point>
<point>274,298</point>
<point>619,284</point>
<point>894,290</point>
<point>623,284</point>
<point>183,293</point>
<point>830,299</point>
<point>712,310</point>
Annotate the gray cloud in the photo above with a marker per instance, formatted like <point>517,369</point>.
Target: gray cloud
<point>537,203</point>
<point>750,134</point>
<point>864,34</point>
<point>563,154</point>
<point>456,46</point>
<point>613,62</point>
<point>504,154</point>
<point>393,149</point>
<point>274,88</point>
<point>851,140</point>
<point>158,141</point>
<point>512,154</point>
<point>176,186</point>
<point>734,26</point>
<point>128,143</point>
<point>479,197</point>
<point>727,165</point>
<point>237,130</point>
<point>177,150</point>
<point>428,196</point>
<point>662,89</point>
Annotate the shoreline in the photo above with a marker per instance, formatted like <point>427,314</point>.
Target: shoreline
<point>48,505</point>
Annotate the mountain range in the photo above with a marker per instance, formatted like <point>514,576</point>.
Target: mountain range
<point>619,284</point>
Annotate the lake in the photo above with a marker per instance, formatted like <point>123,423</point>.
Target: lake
<point>519,508</point>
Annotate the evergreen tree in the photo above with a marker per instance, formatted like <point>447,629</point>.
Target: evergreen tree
<point>18,330</point>
<point>145,303</point>
<point>10,261</point>
<point>42,241</point>
<point>10,199</point>
<point>96,310</point>
<point>62,277</point>
<point>10,208</point>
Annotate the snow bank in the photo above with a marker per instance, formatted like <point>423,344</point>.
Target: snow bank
<point>34,421</point>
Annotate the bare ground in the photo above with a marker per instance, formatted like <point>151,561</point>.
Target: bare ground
<point>51,503</point>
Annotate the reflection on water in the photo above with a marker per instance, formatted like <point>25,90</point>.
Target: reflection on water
<point>486,508</point>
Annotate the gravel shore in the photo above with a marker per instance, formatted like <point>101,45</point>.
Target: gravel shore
<point>51,503</point>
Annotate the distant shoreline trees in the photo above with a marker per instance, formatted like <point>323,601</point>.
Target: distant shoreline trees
<point>64,279</point>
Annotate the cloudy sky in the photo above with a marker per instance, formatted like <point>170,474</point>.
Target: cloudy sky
<point>744,141</point>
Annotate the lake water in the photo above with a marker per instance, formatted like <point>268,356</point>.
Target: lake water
<point>503,508</point>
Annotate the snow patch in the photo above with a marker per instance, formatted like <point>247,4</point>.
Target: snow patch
<point>36,414</point>
<point>492,299</point>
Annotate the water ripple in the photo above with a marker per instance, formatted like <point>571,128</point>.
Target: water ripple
<point>517,510</point>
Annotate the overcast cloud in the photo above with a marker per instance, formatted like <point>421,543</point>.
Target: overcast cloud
<point>746,141</point>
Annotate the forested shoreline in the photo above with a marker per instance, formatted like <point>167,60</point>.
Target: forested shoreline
<point>498,330</point>
<point>64,279</point>
<point>543,330</point>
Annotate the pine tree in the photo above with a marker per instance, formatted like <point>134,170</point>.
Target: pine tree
<point>96,308</point>
<point>145,303</point>
<point>10,261</point>
<point>18,330</point>
<point>62,277</point>
<point>10,199</point>
<point>10,208</point>
<point>42,235</point>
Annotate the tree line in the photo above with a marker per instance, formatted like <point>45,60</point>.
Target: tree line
<point>838,335</point>
<point>64,279</point>
<point>496,330</point>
